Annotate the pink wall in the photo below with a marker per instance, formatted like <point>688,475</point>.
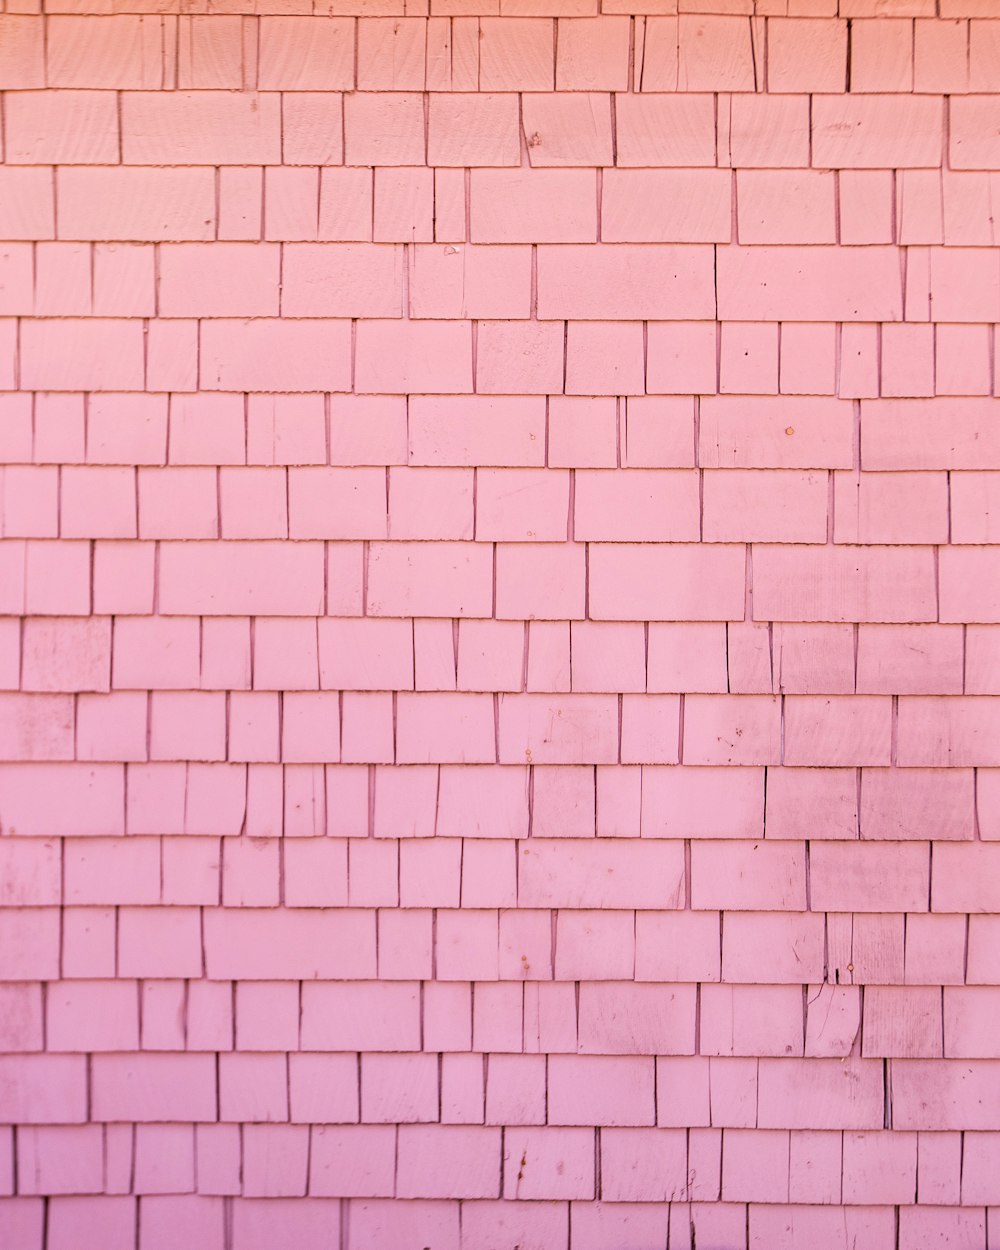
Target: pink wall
<point>500,619</point>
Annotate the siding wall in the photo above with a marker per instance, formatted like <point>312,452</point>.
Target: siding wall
<point>501,625</point>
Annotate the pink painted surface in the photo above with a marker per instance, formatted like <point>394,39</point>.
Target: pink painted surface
<point>500,632</point>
